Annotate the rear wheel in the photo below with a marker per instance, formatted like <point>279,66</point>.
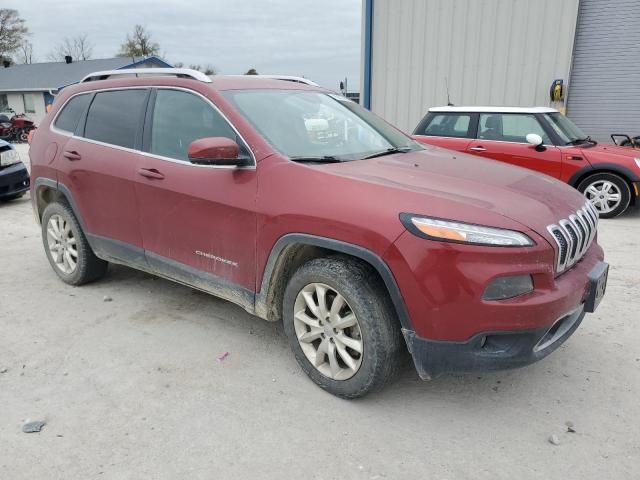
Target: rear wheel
<point>341,326</point>
<point>608,193</point>
<point>67,248</point>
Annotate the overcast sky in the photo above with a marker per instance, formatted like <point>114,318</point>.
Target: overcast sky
<point>319,39</point>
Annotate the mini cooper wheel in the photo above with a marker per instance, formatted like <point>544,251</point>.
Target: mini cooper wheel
<point>607,192</point>
<point>67,248</point>
<point>341,326</point>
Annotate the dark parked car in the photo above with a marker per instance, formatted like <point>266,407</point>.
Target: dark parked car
<point>14,177</point>
<point>359,239</point>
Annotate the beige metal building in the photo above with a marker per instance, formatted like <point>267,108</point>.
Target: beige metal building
<point>423,53</point>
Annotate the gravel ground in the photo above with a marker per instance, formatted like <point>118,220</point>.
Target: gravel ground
<point>133,388</point>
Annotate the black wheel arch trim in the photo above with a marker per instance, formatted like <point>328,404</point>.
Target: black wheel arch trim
<point>602,168</point>
<point>261,301</point>
<point>62,188</point>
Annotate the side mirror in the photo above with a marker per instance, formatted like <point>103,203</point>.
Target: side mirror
<point>536,140</point>
<point>220,151</point>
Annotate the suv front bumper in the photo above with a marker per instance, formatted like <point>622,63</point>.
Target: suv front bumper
<point>503,349</point>
<point>491,350</point>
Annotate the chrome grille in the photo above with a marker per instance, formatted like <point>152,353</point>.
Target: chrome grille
<point>573,236</point>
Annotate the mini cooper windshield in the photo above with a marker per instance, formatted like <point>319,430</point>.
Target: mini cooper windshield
<point>318,127</point>
<point>568,131</point>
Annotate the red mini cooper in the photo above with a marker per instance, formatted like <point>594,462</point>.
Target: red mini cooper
<point>544,140</point>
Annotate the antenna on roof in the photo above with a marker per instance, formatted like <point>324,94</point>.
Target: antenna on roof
<point>446,82</point>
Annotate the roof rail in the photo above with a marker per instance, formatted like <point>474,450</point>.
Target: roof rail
<point>286,78</point>
<point>178,72</point>
<point>289,78</point>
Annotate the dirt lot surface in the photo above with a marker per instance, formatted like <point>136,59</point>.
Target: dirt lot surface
<point>133,389</point>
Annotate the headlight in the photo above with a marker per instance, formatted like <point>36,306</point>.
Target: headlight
<point>450,231</point>
<point>637,162</point>
<point>9,157</point>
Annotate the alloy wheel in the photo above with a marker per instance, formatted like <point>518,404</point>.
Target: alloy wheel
<point>328,331</point>
<point>604,195</point>
<point>62,244</point>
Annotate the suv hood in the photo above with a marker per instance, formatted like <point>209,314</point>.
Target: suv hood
<point>445,184</point>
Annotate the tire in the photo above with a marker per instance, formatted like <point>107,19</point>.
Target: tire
<point>595,185</point>
<point>88,267</point>
<point>376,326</point>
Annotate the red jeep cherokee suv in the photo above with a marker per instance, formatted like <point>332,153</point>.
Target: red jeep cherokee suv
<point>544,140</point>
<point>301,206</point>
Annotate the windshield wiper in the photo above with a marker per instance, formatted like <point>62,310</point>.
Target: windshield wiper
<point>388,151</point>
<point>311,159</point>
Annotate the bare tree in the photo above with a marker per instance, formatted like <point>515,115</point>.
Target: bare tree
<point>12,31</point>
<point>26,52</point>
<point>139,44</point>
<point>78,48</point>
<point>83,47</point>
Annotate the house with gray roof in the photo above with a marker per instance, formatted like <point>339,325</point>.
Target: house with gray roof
<point>31,88</point>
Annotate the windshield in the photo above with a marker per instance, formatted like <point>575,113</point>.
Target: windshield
<point>304,124</point>
<point>567,130</point>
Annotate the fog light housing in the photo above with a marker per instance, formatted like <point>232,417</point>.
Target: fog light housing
<point>502,288</point>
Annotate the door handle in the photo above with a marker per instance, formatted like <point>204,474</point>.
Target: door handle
<point>71,155</point>
<point>478,149</point>
<point>151,173</point>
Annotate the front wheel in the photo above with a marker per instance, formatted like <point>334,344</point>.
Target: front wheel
<point>341,326</point>
<point>607,192</point>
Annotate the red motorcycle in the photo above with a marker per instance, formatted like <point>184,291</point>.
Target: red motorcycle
<point>15,129</point>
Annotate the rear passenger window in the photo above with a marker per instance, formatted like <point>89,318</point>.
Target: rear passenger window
<point>115,116</point>
<point>179,118</point>
<point>448,125</point>
<point>70,114</point>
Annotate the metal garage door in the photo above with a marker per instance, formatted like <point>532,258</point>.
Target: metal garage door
<point>604,91</point>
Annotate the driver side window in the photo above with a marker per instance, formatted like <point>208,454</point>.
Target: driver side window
<point>510,127</point>
<point>181,117</point>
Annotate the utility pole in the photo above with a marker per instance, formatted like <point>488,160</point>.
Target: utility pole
<point>344,86</point>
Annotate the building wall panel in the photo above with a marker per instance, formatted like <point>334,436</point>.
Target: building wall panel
<point>604,92</point>
<point>490,52</point>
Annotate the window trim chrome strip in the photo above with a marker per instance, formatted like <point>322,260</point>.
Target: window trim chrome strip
<point>58,131</point>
